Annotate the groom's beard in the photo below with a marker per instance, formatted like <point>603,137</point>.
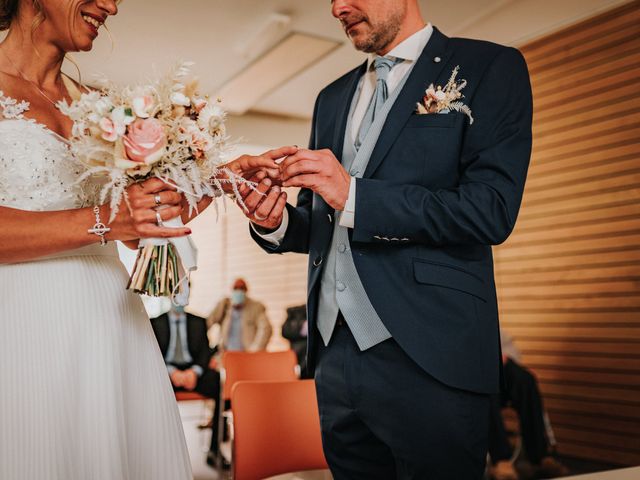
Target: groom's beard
<point>377,36</point>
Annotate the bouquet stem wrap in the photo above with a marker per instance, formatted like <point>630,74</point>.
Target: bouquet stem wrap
<point>163,266</point>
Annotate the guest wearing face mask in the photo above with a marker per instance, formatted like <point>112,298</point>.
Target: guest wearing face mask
<point>244,322</point>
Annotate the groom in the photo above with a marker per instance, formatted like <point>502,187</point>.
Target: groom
<point>398,212</point>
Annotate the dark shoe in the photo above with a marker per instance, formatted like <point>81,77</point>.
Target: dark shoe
<point>212,461</point>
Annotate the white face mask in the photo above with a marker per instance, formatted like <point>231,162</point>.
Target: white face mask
<point>238,297</point>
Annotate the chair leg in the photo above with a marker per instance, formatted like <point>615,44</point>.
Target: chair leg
<point>220,407</point>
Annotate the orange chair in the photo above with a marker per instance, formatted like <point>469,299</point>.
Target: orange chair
<point>258,366</point>
<point>184,396</point>
<point>253,366</point>
<point>276,429</point>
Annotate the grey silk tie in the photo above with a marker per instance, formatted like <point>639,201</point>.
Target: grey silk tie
<point>383,66</point>
<point>178,353</point>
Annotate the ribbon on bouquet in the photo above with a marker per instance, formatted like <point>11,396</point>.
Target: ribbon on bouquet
<point>164,265</point>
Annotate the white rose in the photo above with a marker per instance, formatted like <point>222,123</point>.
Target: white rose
<point>179,98</point>
<point>143,106</point>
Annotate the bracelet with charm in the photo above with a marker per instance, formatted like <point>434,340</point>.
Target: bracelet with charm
<point>99,229</point>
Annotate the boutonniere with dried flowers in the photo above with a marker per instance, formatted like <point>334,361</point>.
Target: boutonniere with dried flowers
<point>444,100</point>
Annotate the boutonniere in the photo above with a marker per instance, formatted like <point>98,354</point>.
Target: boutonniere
<point>443,100</point>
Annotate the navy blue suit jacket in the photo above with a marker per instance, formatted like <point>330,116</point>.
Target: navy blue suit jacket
<point>451,188</point>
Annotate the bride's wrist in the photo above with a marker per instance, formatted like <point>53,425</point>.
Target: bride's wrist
<point>99,228</point>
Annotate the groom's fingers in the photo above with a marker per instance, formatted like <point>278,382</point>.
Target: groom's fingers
<point>301,154</point>
<point>301,167</point>
<point>302,181</point>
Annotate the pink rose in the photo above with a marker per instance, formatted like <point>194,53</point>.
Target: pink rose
<point>145,141</point>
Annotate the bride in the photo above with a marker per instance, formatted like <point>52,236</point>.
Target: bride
<point>84,390</point>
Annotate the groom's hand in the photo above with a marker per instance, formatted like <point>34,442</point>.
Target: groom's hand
<point>319,171</point>
<point>265,205</point>
<point>249,165</point>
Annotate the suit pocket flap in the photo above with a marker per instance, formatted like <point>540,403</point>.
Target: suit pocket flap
<point>448,277</point>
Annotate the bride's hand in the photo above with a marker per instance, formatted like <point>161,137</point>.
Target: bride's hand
<point>247,166</point>
<point>146,200</point>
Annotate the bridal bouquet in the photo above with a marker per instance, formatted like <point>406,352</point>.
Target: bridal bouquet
<point>162,129</point>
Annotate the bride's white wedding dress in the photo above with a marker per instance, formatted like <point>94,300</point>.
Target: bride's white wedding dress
<point>84,393</point>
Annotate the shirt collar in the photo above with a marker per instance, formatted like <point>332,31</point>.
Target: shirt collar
<point>409,49</point>
<point>177,318</point>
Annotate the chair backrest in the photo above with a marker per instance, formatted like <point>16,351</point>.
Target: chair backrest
<point>258,366</point>
<point>277,429</point>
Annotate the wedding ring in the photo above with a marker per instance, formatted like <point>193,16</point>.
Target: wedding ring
<point>157,199</point>
<point>158,219</point>
<point>260,219</point>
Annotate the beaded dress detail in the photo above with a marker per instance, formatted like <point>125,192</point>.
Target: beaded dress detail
<point>85,393</point>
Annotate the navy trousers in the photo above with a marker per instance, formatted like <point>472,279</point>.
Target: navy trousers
<point>383,417</point>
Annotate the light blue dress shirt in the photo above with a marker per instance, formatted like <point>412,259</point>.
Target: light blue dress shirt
<point>234,338</point>
<point>179,321</point>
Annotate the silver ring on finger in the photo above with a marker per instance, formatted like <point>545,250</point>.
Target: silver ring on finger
<point>157,199</point>
<point>159,219</point>
<point>259,218</point>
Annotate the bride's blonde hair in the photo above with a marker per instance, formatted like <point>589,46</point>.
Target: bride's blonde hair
<point>9,10</point>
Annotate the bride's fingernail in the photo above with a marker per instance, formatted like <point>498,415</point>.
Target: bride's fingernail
<point>188,231</point>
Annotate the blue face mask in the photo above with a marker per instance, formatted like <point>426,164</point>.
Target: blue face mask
<point>178,309</point>
<point>238,297</point>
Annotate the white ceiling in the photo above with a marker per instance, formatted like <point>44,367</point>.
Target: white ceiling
<point>215,33</point>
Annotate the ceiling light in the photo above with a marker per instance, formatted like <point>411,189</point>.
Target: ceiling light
<point>292,55</point>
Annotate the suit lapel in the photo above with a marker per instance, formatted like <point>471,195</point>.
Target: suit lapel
<point>426,71</point>
<point>343,109</point>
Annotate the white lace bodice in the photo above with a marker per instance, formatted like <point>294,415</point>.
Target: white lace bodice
<point>37,170</point>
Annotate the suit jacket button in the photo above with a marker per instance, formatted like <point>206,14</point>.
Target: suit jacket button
<point>318,261</point>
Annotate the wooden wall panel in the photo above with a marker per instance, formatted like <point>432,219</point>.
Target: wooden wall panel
<point>569,277</point>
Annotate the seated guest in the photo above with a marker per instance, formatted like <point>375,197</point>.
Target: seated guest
<point>522,394</point>
<point>183,341</point>
<point>244,322</point>
<point>295,329</point>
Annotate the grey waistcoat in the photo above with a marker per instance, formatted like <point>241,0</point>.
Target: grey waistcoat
<point>341,288</point>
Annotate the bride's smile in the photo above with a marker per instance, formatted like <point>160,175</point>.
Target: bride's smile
<point>93,22</point>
